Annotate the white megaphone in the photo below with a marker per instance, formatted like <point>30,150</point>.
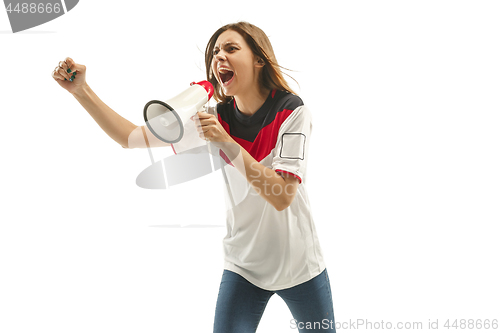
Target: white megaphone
<point>166,120</point>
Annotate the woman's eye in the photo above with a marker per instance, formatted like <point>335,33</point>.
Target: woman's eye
<point>228,49</point>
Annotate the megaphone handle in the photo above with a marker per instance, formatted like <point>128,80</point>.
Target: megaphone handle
<point>204,109</point>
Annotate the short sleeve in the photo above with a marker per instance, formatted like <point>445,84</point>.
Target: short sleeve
<point>291,150</point>
<point>191,140</point>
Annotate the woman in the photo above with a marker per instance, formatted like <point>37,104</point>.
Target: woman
<point>262,130</point>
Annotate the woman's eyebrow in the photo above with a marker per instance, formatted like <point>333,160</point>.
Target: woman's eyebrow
<point>228,43</point>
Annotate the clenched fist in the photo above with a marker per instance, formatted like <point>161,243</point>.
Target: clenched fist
<point>70,75</point>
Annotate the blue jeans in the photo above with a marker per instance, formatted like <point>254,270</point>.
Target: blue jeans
<point>240,305</point>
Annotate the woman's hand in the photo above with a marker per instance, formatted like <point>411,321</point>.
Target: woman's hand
<point>260,177</point>
<point>210,129</point>
<point>72,72</point>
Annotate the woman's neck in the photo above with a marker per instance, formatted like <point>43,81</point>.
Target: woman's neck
<point>251,101</point>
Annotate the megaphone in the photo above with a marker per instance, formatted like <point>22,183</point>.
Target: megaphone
<point>166,120</point>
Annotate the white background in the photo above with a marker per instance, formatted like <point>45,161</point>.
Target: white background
<point>403,174</point>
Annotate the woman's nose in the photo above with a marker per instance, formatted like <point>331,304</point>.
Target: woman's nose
<point>220,56</point>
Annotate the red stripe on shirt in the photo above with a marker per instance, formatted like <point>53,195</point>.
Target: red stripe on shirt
<point>265,141</point>
<point>289,173</point>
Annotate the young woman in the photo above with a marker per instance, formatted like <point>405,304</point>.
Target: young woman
<point>262,131</point>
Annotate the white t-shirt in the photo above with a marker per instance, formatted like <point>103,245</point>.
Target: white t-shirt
<point>271,249</point>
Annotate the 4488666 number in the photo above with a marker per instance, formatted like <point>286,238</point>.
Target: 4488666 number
<point>471,324</point>
<point>33,8</point>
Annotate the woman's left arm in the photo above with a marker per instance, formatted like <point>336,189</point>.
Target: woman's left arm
<point>276,188</point>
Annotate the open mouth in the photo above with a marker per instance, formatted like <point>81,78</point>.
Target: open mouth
<point>226,75</point>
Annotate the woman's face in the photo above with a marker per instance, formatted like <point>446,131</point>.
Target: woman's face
<point>234,64</point>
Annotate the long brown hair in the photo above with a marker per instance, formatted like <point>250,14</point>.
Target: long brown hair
<point>271,76</point>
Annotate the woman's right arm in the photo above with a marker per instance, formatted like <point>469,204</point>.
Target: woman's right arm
<point>118,128</point>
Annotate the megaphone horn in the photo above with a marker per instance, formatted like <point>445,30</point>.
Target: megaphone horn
<point>166,120</point>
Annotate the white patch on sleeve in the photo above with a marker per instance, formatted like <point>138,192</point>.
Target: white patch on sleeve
<point>292,145</point>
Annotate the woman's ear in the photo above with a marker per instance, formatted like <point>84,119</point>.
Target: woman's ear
<point>260,62</point>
